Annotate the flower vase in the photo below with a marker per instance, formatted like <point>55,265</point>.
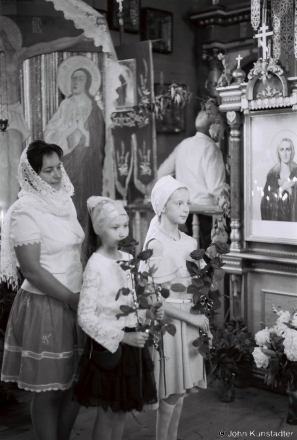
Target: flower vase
<point>292,411</point>
<point>226,389</point>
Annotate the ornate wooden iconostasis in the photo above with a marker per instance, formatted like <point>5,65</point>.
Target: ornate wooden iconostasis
<point>261,114</point>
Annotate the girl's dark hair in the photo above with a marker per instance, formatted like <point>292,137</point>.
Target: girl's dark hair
<point>37,150</point>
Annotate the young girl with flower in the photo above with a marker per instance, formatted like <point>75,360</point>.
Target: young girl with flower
<point>182,368</point>
<point>116,372</point>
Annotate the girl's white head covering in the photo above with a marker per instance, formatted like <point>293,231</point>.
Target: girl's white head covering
<point>38,194</point>
<point>161,193</point>
<point>102,211</point>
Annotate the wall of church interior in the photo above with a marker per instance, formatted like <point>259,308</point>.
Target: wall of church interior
<point>268,289</point>
<point>179,66</point>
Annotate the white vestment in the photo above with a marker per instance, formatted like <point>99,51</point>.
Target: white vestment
<point>198,163</point>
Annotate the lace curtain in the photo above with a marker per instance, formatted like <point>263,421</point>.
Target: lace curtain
<point>89,20</point>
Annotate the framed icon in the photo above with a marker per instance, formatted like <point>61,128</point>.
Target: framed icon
<point>131,14</point>
<point>158,27</point>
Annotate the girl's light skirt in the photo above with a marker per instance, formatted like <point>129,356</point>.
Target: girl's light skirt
<point>43,344</point>
<point>182,370</point>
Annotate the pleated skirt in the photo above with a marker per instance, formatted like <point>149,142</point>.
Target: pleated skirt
<point>43,344</point>
<point>127,387</point>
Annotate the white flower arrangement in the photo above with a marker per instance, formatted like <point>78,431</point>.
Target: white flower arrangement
<point>263,337</point>
<point>277,350</point>
<point>260,358</point>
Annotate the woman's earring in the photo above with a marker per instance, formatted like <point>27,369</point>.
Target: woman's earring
<point>163,211</point>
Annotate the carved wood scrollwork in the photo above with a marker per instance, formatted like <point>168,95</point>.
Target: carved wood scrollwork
<point>234,120</point>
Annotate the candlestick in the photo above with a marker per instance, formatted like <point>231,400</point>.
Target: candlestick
<point>120,2</point>
<point>2,219</point>
<point>264,12</point>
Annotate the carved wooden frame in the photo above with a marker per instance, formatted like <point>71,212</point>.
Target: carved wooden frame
<point>258,134</point>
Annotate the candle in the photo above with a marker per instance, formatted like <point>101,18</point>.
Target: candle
<point>2,218</point>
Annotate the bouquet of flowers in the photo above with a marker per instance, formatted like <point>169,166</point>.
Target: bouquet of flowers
<point>144,287</point>
<point>277,350</point>
<point>231,351</point>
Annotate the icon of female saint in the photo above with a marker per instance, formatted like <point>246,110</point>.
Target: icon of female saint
<point>279,200</point>
<point>13,54</point>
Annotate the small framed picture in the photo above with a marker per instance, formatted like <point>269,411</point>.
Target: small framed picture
<point>158,27</point>
<point>127,92</point>
<point>173,120</point>
<point>131,14</point>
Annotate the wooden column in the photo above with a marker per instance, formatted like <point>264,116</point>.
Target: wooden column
<point>234,120</point>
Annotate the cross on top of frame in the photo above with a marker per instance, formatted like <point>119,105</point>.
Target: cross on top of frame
<point>238,59</point>
<point>262,39</point>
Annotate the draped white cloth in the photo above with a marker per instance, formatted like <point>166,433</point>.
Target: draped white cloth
<point>89,20</point>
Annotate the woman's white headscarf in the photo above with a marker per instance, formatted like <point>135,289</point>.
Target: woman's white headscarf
<point>161,193</point>
<point>102,211</point>
<point>38,194</point>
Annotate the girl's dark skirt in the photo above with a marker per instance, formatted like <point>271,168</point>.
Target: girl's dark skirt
<point>127,387</point>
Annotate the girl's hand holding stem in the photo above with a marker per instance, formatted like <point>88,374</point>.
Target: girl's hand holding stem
<point>155,312</point>
<point>136,339</point>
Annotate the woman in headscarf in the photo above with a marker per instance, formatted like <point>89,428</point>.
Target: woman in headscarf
<point>181,370</point>
<point>42,236</point>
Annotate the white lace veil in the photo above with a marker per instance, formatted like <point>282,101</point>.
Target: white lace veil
<point>39,195</point>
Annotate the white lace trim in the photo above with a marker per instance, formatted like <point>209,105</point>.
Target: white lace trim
<point>91,21</point>
<point>25,243</point>
<point>39,388</point>
<point>42,355</point>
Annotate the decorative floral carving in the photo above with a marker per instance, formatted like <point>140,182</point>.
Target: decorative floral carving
<point>282,22</point>
<point>262,68</point>
<point>255,14</point>
<point>145,160</point>
<point>269,92</point>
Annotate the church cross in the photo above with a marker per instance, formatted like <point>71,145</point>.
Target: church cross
<point>262,38</point>
<point>238,59</point>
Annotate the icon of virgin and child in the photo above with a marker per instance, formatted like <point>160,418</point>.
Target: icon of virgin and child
<point>279,199</point>
<point>78,128</point>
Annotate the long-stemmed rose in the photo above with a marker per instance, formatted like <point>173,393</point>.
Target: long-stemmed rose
<point>143,287</point>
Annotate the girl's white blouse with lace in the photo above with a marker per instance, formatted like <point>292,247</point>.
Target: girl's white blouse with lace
<point>98,307</point>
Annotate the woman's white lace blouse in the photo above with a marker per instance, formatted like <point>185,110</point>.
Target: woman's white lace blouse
<point>98,307</point>
<point>60,241</point>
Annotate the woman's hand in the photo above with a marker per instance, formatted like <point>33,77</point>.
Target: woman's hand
<point>200,321</point>
<point>136,339</point>
<point>156,312</point>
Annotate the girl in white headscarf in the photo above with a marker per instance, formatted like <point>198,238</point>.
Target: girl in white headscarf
<point>41,234</point>
<point>183,369</point>
<point>116,373</point>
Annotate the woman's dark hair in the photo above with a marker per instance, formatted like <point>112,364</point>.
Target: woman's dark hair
<point>37,150</point>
